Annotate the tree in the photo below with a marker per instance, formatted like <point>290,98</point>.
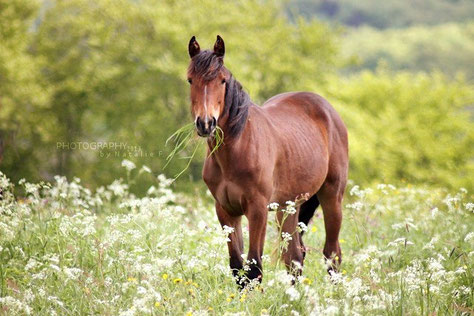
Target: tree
<point>21,95</point>
<point>116,70</point>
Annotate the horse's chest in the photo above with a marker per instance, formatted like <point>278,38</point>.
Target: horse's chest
<point>229,195</point>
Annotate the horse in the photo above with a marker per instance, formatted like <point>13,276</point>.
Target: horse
<point>294,145</point>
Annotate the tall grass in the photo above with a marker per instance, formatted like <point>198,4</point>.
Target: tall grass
<point>65,250</point>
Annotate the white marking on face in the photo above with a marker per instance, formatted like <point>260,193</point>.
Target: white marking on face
<point>205,107</point>
<point>214,111</point>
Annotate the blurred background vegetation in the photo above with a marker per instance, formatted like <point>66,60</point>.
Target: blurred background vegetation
<point>399,72</point>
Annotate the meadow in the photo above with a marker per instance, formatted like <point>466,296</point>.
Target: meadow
<point>65,250</point>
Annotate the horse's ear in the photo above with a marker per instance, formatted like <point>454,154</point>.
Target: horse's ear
<point>193,47</point>
<point>219,47</point>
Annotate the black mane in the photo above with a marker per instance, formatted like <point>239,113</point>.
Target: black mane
<point>207,66</point>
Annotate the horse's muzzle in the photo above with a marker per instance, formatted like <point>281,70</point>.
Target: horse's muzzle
<point>206,126</point>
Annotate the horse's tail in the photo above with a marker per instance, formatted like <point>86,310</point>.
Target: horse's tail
<point>307,210</point>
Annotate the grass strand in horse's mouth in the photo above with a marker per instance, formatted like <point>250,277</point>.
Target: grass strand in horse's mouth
<point>184,138</point>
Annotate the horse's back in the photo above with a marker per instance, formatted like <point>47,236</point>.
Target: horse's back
<point>296,106</point>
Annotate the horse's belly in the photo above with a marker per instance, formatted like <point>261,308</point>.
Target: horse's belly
<point>300,173</point>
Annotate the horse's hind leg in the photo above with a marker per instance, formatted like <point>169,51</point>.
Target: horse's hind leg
<point>330,195</point>
<point>307,210</point>
<point>293,255</point>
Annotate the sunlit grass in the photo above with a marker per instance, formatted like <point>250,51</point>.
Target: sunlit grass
<point>66,250</point>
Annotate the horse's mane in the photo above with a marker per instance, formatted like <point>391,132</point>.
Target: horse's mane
<point>207,65</point>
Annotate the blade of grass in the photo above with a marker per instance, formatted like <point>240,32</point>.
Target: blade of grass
<point>182,139</point>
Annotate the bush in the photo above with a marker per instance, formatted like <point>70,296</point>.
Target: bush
<point>413,128</point>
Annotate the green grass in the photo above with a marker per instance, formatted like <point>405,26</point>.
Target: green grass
<point>65,250</point>
<point>185,137</point>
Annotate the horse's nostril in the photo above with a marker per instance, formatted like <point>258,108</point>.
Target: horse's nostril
<point>213,122</point>
<point>199,123</point>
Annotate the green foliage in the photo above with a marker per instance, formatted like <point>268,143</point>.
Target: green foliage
<point>387,13</point>
<point>414,128</point>
<point>447,47</point>
<point>21,95</point>
<point>116,73</point>
<point>96,72</point>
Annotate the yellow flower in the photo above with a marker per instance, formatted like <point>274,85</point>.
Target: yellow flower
<point>314,229</point>
<point>307,281</point>
<point>130,279</point>
<point>243,297</point>
<point>165,276</point>
<point>264,312</point>
<point>195,284</point>
<point>157,304</point>
<point>228,300</point>
<point>177,280</point>
<point>210,309</point>
<point>232,295</point>
<point>342,241</point>
<point>189,314</point>
<point>219,292</point>
<point>191,292</point>
<point>344,271</point>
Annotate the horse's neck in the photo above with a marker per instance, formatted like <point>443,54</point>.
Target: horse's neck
<point>232,146</point>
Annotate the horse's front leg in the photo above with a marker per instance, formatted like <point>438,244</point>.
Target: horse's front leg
<point>236,244</point>
<point>257,216</point>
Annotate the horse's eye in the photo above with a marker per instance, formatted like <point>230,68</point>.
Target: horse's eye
<point>223,81</point>
<point>190,80</point>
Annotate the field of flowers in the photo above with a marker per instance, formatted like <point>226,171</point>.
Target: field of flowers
<point>65,250</point>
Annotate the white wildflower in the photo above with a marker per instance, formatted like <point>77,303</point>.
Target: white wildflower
<point>357,206</point>
<point>145,169</point>
<point>469,237</point>
<point>303,227</point>
<point>72,273</point>
<point>469,207</point>
<point>273,206</point>
<point>286,236</point>
<point>292,293</point>
<point>129,165</point>
<point>151,190</point>
<point>290,208</point>
<point>399,241</point>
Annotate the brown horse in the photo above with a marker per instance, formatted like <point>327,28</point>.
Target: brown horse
<point>293,145</point>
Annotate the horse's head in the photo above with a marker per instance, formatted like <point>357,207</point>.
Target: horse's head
<point>207,77</point>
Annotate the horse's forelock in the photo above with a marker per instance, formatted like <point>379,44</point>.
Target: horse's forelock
<point>206,65</point>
